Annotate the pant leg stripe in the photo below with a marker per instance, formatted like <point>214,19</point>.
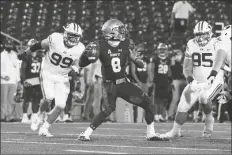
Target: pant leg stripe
<point>214,93</point>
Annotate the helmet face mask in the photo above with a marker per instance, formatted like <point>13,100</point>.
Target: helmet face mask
<point>71,39</point>
<point>203,38</point>
<point>72,34</point>
<point>162,51</point>
<point>114,30</point>
<point>203,33</point>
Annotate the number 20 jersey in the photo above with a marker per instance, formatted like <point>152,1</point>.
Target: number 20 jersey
<point>59,58</point>
<point>202,58</point>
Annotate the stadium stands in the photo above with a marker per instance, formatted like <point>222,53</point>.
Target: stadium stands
<point>148,21</point>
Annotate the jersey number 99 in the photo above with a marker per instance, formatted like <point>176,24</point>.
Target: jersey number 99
<point>203,59</point>
<point>56,59</point>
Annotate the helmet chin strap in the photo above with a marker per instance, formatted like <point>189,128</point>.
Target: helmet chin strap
<point>113,43</point>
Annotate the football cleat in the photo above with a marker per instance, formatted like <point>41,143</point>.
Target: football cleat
<point>83,137</point>
<point>207,133</point>
<point>25,120</point>
<point>44,132</point>
<point>156,137</point>
<point>170,135</point>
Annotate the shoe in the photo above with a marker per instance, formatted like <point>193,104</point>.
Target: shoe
<point>83,137</point>
<point>207,133</point>
<point>156,137</point>
<point>170,135</point>
<point>44,132</point>
<point>35,123</point>
<point>25,120</point>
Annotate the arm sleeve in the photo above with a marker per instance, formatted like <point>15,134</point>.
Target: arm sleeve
<point>133,72</point>
<point>188,64</point>
<point>3,66</point>
<point>219,59</point>
<point>174,9</point>
<point>23,71</point>
<point>151,73</point>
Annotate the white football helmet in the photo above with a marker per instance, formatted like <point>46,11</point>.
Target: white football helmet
<point>226,33</point>
<point>72,34</point>
<point>203,33</point>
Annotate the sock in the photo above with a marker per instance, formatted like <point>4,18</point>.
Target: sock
<point>209,122</point>
<point>53,115</point>
<point>25,115</point>
<point>195,114</point>
<point>151,128</point>
<point>88,131</point>
<point>176,128</point>
<point>46,125</point>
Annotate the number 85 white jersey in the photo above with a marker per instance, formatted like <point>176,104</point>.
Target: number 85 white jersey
<point>202,58</point>
<point>59,58</point>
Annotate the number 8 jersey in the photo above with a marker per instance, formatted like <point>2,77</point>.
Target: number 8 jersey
<point>202,58</point>
<point>59,58</point>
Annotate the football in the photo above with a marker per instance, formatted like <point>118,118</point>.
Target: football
<point>92,52</point>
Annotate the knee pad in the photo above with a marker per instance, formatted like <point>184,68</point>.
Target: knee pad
<point>183,107</point>
<point>203,98</point>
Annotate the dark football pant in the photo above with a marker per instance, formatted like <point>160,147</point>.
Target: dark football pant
<point>32,94</point>
<point>127,91</point>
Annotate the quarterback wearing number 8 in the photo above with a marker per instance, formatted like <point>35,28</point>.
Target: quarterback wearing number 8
<point>62,57</point>
<point>114,52</point>
<point>198,62</point>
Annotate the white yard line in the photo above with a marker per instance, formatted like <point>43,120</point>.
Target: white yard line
<point>136,124</point>
<point>102,135</point>
<point>113,146</point>
<point>132,129</point>
<point>100,152</point>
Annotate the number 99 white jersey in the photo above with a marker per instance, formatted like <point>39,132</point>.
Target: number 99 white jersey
<point>202,58</point>
<point>59,58</point>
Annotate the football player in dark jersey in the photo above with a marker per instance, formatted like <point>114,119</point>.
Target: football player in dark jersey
<point>30,70</point>
<point>114,52</point>
<point>140,75</point>
<point>162,77</point>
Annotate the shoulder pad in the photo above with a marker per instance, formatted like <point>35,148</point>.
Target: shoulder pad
<point>53,37</point>
<point>190,44</point>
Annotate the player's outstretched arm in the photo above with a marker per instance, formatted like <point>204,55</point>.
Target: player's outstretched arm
<point>44,44</point>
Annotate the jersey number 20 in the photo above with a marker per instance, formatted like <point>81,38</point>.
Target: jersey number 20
<point>56,59</point>
<point>203,59</point>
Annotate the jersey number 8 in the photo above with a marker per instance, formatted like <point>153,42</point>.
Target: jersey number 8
<point>202,59</point>
<point>116,66</point>
<point>56,59</point>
